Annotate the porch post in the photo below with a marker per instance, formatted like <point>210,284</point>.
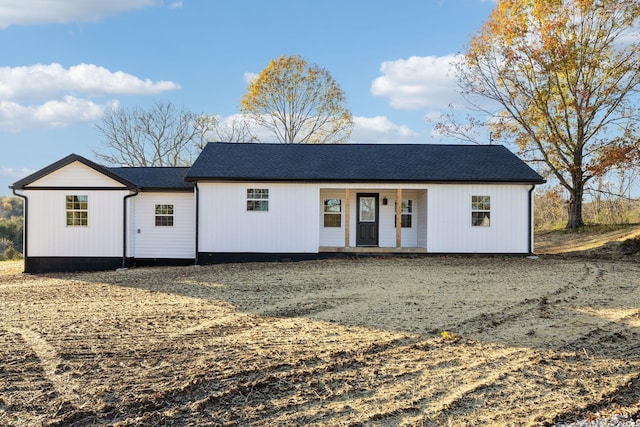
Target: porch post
<point>399,218</point>
<point>347,222</point>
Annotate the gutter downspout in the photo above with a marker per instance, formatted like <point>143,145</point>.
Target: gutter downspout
<point>530,231</point>
<point>197,220</point>
<point>124,225</point>
<point>24,226</point>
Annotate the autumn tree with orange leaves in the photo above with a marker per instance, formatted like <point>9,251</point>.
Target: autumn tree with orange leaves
<point>564,74</point>
<point>299,102</point>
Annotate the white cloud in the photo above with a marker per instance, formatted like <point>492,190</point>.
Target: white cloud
<point>176,5</point>
<point>30,12</point>
<point>14,173</point>
<point>381,129</point>
<point>249,77</point>
<point>418,82</point>
<point>43,81</point>
<point>51,114</point>
<point>370,130</point>
<point>48,96</point>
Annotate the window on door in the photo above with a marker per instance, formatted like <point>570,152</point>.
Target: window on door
<point>367,209</point>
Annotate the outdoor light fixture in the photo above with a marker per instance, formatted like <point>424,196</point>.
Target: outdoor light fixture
<point>384,201</point>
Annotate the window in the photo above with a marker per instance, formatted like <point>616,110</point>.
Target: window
<point>407,212</point>
<point>480,211</point>
<point>164,215</point>
<point>257,199</point>
<point>332,212</point>
<point>77,211</point>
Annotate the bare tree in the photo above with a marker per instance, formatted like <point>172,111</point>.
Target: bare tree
<point>163,135</point>
<point>214,128</point>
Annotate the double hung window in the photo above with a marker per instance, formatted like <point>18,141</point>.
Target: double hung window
<point>164,215</point>
<point>77,207</point>
<point>257,199</point>
<point>480,211</point>
<point>332,212</point>
<point>407,213</point>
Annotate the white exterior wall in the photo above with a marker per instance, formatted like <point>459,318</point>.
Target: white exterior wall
<point>387,224</point>
<point>290,226</point>
<point>422,219</point>
<point>146,240</point>
<point>449,219</point>
<point>49,234</point>
<point>75,174</point>
<point>332,236</point>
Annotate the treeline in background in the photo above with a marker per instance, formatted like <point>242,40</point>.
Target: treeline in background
<point>10,228</point>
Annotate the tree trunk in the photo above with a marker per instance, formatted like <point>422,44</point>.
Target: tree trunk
<point>575,207</point>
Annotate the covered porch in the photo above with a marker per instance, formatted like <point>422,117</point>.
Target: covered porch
<point>370,220</point>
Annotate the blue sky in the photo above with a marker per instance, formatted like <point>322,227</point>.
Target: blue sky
<point>63,62</point>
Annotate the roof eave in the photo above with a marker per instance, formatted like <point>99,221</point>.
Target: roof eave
<point>24,182</point>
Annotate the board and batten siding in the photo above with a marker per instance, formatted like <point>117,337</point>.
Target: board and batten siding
<point>289,226</point>
<point>421,220</point>
<point>49,235</point>
<point>449,219</point>
<point>150,241</point>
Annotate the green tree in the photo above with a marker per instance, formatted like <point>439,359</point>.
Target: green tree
<point>564,73</point>
<point>11,223</point>
<point>298,102</point>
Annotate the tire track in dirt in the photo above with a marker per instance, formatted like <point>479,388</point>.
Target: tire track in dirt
<point>64,384</point>
<point>488,322</point>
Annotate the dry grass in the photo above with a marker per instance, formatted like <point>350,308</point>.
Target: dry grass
<point>337,342</point>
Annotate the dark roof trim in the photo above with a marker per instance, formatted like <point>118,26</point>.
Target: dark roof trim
<point>364,181</point>
<point>75,188</point>
<point>23,183</point>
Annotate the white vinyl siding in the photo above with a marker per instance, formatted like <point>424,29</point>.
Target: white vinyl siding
<point>421,220</point>
<point>387,230</point>
<point>153,241</point>
<point>50,236</point>
<point>75,174</point>
<point>291,225</point>
<point>450,227</point>
<point>332,236</point>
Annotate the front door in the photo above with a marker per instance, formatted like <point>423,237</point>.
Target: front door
<point>367,220</point>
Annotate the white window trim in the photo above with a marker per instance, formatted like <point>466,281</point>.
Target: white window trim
<point>261,197</point>
<point>403,213</point>
<point>325,212</point>
<point>164,215</point>
<point>488,211</point>
<point>73,210</point>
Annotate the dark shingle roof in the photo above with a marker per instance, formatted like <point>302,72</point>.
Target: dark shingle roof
<point>143,178</point>
<point>155,178</point>
<point>21,184</point>
<point>361,162</point>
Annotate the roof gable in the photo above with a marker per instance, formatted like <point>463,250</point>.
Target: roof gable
<point>361,162</point>
<point>73,171</point>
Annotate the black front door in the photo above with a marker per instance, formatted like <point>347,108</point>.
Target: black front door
<point>367,220</point>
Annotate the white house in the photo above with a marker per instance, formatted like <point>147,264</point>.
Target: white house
<point>279,201</point>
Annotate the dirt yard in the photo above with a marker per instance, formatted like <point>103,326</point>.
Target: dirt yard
<point>328,343</point>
